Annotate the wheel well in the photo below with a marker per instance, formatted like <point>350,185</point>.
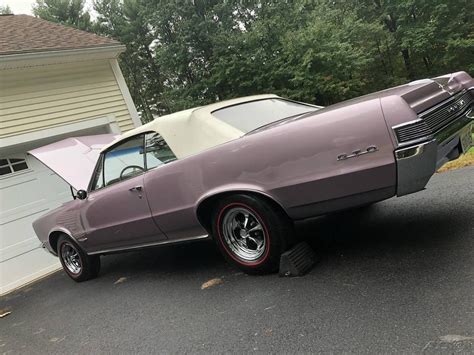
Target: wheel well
<point>206,207</point>
<point>53,240</point>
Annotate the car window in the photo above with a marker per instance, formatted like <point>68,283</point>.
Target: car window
<point>124,161</point>
<point>158,151</point>
<point>251,115</point>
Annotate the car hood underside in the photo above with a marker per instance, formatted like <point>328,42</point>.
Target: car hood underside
<point>73,159</point>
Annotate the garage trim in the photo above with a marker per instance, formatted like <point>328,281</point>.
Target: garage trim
<point>108,120</point>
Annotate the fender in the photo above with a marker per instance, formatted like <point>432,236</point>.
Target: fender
<point>63,230</point>
<point>236,188</point>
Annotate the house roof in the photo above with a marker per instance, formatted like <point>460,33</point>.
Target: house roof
<point>21,34</point>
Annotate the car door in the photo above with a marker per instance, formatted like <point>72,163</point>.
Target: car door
<point>169,189</point>
<point>116,213</point>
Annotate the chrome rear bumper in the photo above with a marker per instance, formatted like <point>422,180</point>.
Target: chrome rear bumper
<point>417,163</point>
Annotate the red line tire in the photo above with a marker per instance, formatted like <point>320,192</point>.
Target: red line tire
<point>251,232</point>
<point>76,263</point>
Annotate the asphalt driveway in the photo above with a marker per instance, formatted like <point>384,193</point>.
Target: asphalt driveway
<point>396,277</point>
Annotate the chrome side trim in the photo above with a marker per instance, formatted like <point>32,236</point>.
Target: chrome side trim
<point>142,246</point>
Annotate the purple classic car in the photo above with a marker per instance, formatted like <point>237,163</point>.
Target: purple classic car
<point>242,171</point>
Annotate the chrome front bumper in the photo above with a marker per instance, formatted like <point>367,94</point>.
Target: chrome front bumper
<point>417,163</point>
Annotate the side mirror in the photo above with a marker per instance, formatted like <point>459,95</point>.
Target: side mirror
<point>81,194</point>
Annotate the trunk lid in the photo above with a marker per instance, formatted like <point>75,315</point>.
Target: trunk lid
<point>73,159</point>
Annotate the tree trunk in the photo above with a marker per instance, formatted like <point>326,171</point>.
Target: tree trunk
<point>407,61</point>
<point>381,57</point>
<point>427,62</point>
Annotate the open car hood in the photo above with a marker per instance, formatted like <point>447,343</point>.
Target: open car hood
<point>73,159</point>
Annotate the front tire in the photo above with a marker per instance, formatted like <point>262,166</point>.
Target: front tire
<point>251,233</point>
<point>76,263</point>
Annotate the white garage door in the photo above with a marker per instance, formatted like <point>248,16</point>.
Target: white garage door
<point>25,195</point>
<point>28,189</point>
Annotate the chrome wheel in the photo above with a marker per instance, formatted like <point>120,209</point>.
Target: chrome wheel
<point>243,234</point>
<point>71,258</point>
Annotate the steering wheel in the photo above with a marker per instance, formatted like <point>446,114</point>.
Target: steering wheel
<point>130,167</point>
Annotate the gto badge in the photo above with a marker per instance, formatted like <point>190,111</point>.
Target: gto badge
<point>357,152</point>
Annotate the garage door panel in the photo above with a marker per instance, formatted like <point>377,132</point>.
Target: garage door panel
<point>25,197</point>
<point>26,202</point>
<point>19,230</point>
<point>25,268</point>
<point>17,249</point>
<point>20,196</point>
<point>20,211</point>
<point>57,189</point>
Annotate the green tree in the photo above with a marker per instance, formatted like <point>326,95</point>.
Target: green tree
<point>5,10</point>
<point>184,47</point>
<point>127,21</point>
<point>67,12</point>
<point>185,53</point>
<point>424,37</point>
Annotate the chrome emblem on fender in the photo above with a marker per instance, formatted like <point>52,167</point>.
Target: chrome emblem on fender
<point>357,152</point>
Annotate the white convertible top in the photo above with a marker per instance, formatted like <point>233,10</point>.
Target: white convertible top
<point>191,131</point>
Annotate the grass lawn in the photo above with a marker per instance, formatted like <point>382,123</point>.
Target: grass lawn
<point>464,160</point>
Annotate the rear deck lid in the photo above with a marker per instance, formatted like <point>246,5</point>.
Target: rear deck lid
<point>73,159</point>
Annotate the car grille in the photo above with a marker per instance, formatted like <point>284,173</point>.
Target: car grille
<point>435,119</point>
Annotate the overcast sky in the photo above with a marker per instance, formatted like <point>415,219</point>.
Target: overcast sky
<point>24,6</point>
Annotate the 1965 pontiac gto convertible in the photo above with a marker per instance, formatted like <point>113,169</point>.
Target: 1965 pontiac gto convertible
<point>243,170</point>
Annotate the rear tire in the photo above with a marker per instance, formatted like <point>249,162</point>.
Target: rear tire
<point>76,263</point>
<point>251,233</point>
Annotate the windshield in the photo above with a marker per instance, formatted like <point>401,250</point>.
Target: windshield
<point>251,115</point>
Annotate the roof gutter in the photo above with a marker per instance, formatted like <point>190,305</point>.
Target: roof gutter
<point>16,60</point>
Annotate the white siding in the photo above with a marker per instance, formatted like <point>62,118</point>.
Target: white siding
<point>39,97</point>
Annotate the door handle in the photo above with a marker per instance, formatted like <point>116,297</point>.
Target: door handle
<point>136,188</point>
